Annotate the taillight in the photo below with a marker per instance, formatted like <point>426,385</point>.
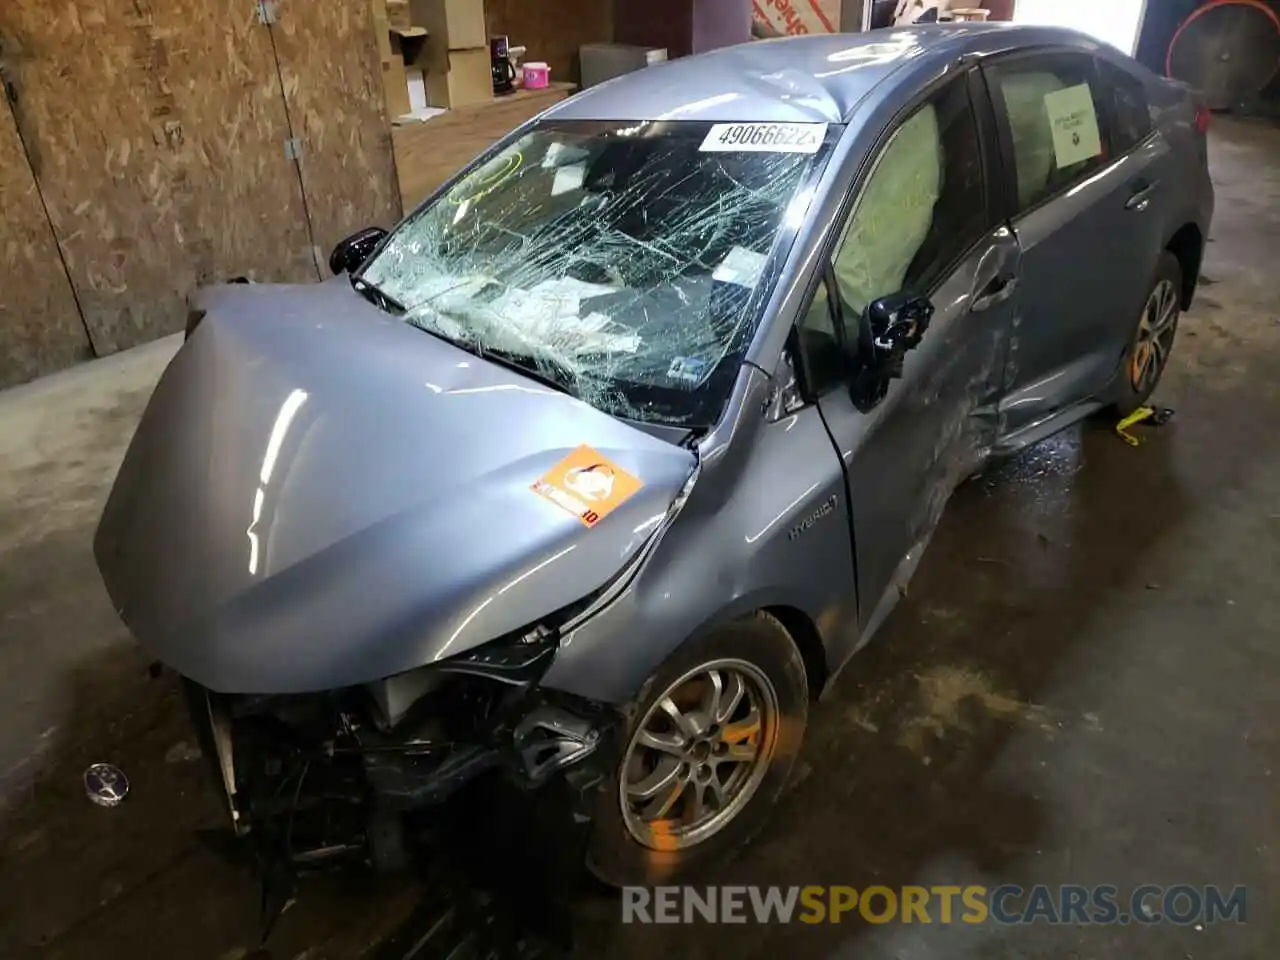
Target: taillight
<point>1203,116</point>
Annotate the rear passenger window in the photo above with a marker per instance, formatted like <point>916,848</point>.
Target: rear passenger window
<point>1053,108</point>
<point>1131,115</point>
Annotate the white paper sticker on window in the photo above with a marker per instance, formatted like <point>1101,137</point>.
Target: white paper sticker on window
<point>740,266</point>
<point>561,154</point>
<point>552,156</point>
<point>1074,123</point>
<point>687,369</point>
<point>765,137</point>
<point>568,178</point>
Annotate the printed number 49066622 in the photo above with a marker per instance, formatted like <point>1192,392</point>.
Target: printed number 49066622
<point>767,134</point>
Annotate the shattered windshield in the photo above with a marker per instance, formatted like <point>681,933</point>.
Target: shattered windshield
<point>627,267</point>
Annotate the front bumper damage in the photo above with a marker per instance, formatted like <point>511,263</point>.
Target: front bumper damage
<point>481,757</point>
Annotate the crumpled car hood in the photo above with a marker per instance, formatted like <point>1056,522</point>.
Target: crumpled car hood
<point>319,495</point>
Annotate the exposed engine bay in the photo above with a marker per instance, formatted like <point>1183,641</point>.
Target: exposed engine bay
<point>363,775</point>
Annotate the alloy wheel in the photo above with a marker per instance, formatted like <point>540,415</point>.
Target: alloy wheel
<point>699,754</point>
<point>1155,337</point>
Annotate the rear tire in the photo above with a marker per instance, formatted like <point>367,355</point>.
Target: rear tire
<point>707,761</point>
<point>1154,332</point>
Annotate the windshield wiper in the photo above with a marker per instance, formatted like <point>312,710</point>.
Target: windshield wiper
<point>525,365</point>
<point>378,297</point>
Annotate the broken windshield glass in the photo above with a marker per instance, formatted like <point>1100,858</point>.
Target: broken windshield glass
<point>629,265</point>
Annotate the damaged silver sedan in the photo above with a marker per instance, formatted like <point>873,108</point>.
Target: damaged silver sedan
<point>589,476</point>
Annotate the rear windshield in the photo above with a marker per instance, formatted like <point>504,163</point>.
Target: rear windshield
<point>629,263</point>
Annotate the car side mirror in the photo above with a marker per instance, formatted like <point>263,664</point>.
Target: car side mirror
<point>350,254</point>
<point>888,329</point>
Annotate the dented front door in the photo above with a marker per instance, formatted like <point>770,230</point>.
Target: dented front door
<point>927,221</point>
<point>933,428</point>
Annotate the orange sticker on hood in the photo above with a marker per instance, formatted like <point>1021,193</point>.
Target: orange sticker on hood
<point>588,485</point>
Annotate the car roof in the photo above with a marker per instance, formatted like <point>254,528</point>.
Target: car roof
<point>817,77</point>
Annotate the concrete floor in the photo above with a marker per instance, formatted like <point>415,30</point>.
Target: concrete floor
<point>1081,686</point>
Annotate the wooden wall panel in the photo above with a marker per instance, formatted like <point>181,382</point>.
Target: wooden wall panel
<point>333,85</point>
<point>553,30</point>
<point>662,23</point>
<point>40,328</point>
<point>685,27</point>
<point>157,130</point>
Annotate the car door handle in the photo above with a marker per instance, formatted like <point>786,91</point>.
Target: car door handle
<point>999,289</point>
<point>1140,198</point>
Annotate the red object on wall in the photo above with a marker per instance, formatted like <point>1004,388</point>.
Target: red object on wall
<point>1228,50</point>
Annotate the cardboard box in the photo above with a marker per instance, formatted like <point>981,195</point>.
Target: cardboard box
<point>816,16</point>
<point>467,80</point>
<point>451,25</point>
<point>399,15</point>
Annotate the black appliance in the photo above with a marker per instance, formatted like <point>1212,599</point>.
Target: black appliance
<point>504,71</point>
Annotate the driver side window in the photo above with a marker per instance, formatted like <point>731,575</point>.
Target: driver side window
<point>892,215</point>
<point>922,206</point>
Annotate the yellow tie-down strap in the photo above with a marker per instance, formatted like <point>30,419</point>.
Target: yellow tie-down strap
<point>1157,416</point>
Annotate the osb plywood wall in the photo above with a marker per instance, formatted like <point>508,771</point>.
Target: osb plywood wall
<point>552,31</point>
<point>40,330</point>
<point>156,131</point>
<point>336,106</point>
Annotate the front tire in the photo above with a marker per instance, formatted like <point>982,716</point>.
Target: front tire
<point>712,738</point>
<point>1152,342</point>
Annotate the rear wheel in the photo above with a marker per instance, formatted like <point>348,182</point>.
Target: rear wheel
<point>1152,342</point>
<point>713,737</point>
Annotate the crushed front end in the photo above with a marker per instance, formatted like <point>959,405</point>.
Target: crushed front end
<point>366,774</point>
